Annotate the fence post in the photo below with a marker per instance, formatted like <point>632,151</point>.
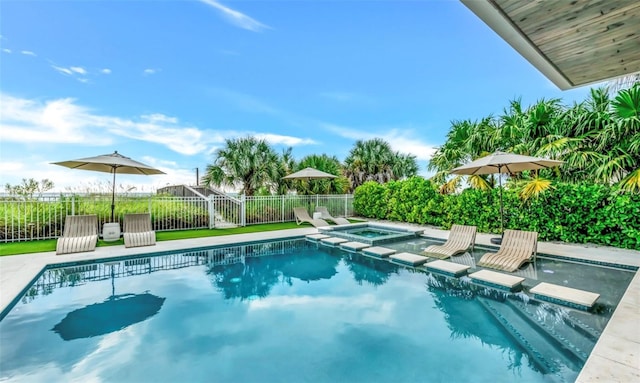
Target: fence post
<point>282,205</point>
<point>212,211</point>
<point>243,210</point>
<point>346,211</point>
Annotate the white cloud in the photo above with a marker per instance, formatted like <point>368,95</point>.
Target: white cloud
<point>64,121</point>
<point>6,50</point>
<point>72,71</point>
<point>237,18</point>
<point>62,70</point>
<point>56,121</point>
<point>78,69</point>
<point>66,179</point>
<point>401,140</point>
<point>149,71</point>
<point>283,140</point>
<point>181,139</point>
<point>28,53</point>
<point>158,117</point>
<point>105,71</point>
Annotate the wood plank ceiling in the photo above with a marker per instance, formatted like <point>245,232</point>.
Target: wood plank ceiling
<point>585,41</point>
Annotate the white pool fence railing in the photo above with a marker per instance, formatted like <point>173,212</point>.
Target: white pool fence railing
<point>42,217</point>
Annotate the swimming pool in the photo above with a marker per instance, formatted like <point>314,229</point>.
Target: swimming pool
<point>289,311</point>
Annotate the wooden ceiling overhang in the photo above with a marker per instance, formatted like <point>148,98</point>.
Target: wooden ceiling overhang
<point>572,42</point>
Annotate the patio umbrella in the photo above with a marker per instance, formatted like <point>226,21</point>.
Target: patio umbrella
<point>309,174</point>
<point>500,162</point>
<point>111,163</point>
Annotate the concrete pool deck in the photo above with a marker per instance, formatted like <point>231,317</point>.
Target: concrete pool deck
<point>615,358</point>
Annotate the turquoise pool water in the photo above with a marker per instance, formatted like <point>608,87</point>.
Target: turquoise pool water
<point>370,233</point>
<point>289,311</point>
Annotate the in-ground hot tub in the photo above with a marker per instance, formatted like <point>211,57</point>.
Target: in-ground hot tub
<point>370,233</point>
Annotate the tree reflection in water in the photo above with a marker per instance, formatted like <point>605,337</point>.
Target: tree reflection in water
<point>367,269</point>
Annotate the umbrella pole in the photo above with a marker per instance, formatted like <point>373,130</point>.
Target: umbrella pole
<point>501,205</point>
<point>113,194</point>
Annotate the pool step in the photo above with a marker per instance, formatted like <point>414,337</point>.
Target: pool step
<point>542,351</point>
<point>447,268</point>
<point>578,299</point>
<point>333,241</point>
<point>570,333</point>
<point>354,246</point>
<point>408,259</point>
<point>497,280</point>
<point>316,237</point>
<point>378,251</point>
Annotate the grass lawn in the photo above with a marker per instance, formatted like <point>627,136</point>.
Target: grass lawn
<point>26,247</point>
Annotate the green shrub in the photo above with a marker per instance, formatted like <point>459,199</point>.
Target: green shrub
<point>576,213</point>
<point>371,200</point>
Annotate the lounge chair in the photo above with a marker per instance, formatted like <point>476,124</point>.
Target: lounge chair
<point>137,230</point>
<point>328,217</point>
<point>80,234</point>
<point>517,248</point>
<point>461,238</point>
<point>303,216</point>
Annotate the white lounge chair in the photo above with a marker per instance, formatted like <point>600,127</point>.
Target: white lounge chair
<point>303,216</point>
<point>137,230</point>
<point>517,248</point>
<point>461,238</point>
<point>80,234</point>
<point>328,217</point>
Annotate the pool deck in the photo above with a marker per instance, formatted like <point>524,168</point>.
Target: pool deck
<point>615,358</point>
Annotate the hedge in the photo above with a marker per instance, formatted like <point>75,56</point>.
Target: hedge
<point>575,213</point>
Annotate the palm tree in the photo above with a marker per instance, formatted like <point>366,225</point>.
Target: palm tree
<point>247,163</point>
<point>287,165</point>
<point>374,160</point>
<point>598,139</point>
<point>327,164</point>
<point>624,136</point>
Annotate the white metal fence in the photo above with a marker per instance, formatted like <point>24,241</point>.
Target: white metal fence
<point>43,217</point>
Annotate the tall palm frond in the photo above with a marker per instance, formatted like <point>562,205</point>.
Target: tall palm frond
<point>631,182</point>
<point>534,187</point>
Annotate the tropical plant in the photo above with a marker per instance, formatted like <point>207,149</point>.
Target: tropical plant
<point>287,164</point>
<point>598,140</point>
<point>327,164</point>
<point>247,163</point>
<point>374,160</point>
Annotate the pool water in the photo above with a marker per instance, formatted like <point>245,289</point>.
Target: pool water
<point>369,233</point>
<point>287,311</point>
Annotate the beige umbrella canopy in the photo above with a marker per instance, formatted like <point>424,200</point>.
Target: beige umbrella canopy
<point>111,163</point>
<point>500,162</point>
<point>308,174</point>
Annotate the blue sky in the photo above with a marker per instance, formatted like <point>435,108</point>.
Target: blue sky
<point>166,82</point>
